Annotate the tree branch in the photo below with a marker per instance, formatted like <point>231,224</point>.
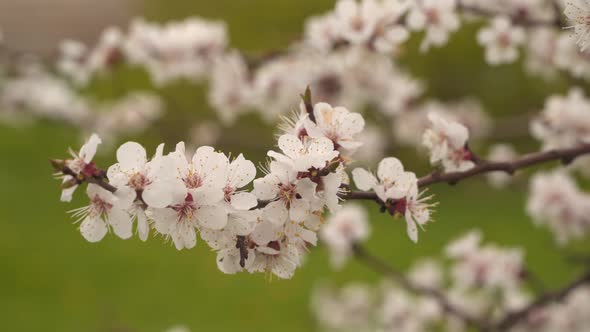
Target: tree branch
<point>480,323</point>
<point>566,156</point>
<point>517,18</point>
<point>515,317</point>
<point>388,271</point>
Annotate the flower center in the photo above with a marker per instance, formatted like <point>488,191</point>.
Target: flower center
<point>287,192</point>
<point>138,181</point>
<point>357,23</point>
<point>227,192</point>
<point>100,206</point>
<point>186,209</point>
<point>432,16</point>
<point>193,180</point>
<point>504,40</point>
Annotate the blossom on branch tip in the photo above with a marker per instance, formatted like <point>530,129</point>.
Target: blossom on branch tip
<point>447,144</point>
<point>398,192</point>
<point>501,40</point>
<point>80,165</point>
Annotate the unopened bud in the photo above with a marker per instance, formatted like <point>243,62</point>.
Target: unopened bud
<point>58,164</point>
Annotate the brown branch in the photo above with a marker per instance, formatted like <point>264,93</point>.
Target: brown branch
<point>388,271</point>
<point>80,178</point>
<point>515,317</point>
<point>101,182</point>
<point>566,156</point>
<point>480,323</point>
<point>516,18</point>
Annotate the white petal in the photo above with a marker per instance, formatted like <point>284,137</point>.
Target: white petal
<point>264,233</point>
<point>121,223</point>
<point>93,229</point>
<point>67,193</point>
<point>320,146</point>
<point>241,171</point>
<point>364,179</point>
<point>164,220</point>
<point>88,150</point>
<point>131,156</point>
<point>207,195</point>
<point>389,170</point>
<point>267,187</point>
<point>212,216</point>
<point>275,212</point>
<point>160,194</point>
<point>243,201</point>
<point>352,125</point>
<point>306,188</point>
<point>143,226</point>
<point>412,229</point>
<point>299,210</point>
<point>290,145</point>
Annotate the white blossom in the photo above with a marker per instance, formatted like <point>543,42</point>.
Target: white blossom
<point>290,197</point>
<point>501,40</point>
<point>437,18</point>
<point>339,125</point>
<point>557,202</point>
<point>564,122</point>
<point>343,230</point>
<point>106,210</point>
<point>398,190</point>
<point>81,163</point>
<point>446,141</point>
<point>578,12</point>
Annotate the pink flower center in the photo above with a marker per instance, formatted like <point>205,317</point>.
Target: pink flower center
<point>504,40</point>
<point>287,192</point>
<point>227,192</point>
<point>138,181</point>
<point>432,16</point>
<point>100,206</point>
<point>186,209</point>
<point>193,180</point>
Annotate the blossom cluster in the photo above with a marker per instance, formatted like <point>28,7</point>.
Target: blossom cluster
<point>447,144</point>
<point>482,280</point>
<point>398,191</point>
<point>38,94</point>
<point>557,202</point>
<point>564,122</point>
<point>182,196</point>
<point>344,55</point>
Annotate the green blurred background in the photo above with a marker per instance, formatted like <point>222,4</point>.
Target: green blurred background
<point>51,279</point>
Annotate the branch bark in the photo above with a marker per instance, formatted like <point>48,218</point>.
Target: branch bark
<point>513,318</point>
<point>388,271</point>
<point>480,323</point>
<point>516,19</point>
<point>566,156</point>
